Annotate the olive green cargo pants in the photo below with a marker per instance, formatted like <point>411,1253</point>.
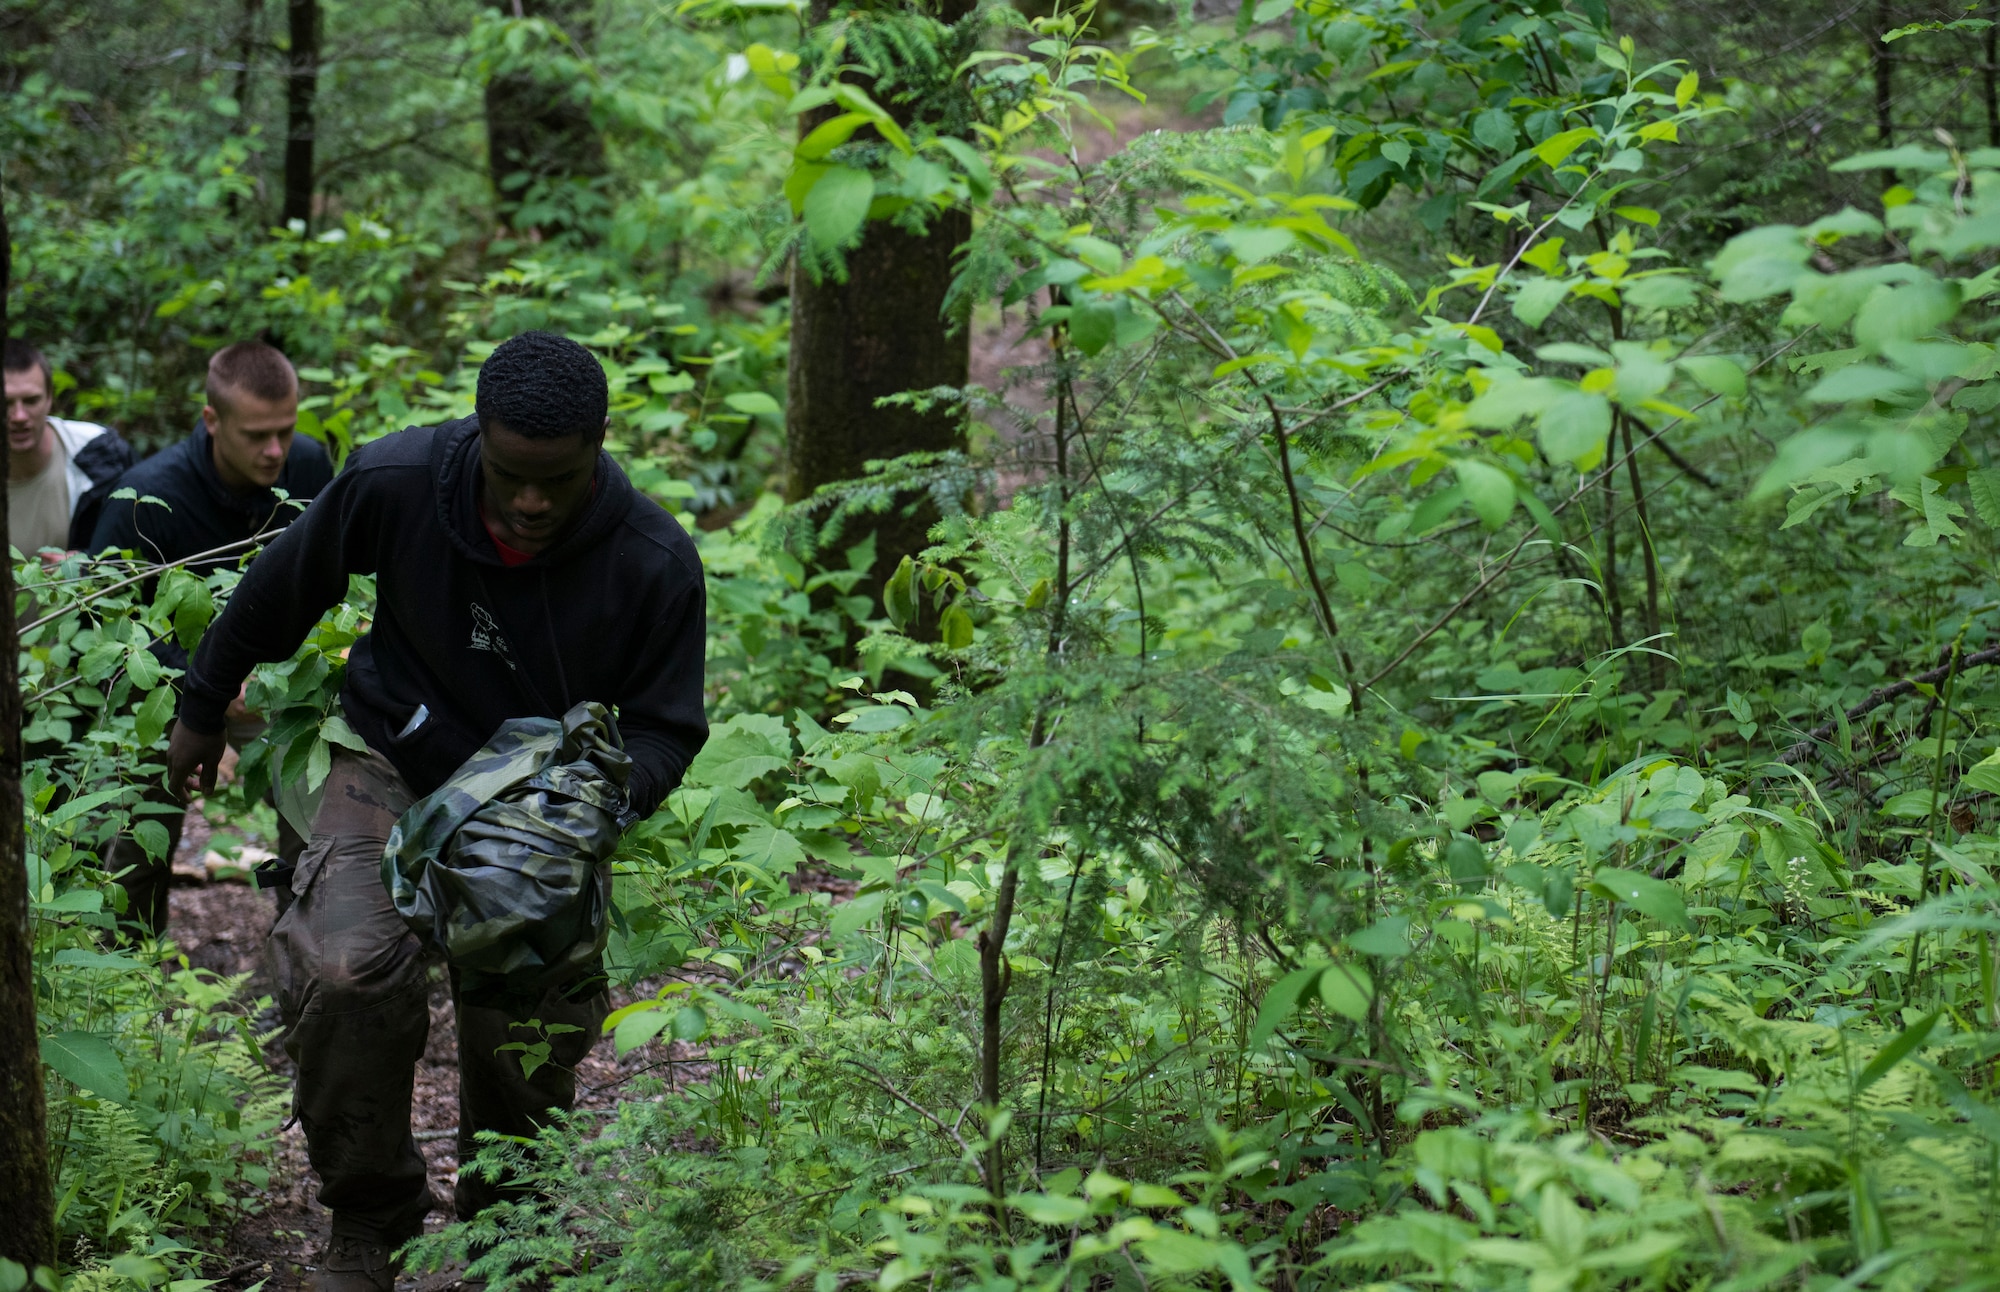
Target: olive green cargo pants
<point>353,991</point>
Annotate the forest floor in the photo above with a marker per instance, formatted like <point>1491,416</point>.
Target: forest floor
<point>224,926</point>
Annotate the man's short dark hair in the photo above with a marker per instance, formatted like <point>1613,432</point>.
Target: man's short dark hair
<point>252,368</point>
<point>543,386</point>
<point>19,356</point>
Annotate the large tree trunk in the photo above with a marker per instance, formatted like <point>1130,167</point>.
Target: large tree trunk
<point>880,332</point>
<point>536,129</point>
<point>301,87</point>
<point>27,1205</point>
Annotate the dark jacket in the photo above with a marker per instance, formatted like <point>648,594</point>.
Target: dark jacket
<point>201,513</point>
<point>102,459</point>
<point>615,611</point>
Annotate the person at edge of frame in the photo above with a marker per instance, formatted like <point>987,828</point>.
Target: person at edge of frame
<point>242,475</point>
<point>518,572</point>
<point>59,470</point>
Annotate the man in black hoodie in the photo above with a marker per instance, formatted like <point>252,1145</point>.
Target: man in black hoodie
<point>517,573</point>
<point>243,475</point>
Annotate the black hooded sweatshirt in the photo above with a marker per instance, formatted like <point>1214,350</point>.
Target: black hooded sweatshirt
<point>613,611</point>
<point>196,512</point>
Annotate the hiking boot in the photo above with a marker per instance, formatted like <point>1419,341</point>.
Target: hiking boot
<point>357,1264</point>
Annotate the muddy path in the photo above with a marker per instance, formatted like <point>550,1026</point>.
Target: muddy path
<point>224,926</point>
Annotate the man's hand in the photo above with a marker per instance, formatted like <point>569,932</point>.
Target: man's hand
<point>239,710</point>
<point>189,752</point>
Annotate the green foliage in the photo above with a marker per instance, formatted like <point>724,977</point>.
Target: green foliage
<point>1368,786</point>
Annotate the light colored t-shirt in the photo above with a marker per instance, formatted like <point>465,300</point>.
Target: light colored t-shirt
<point>38,507</point>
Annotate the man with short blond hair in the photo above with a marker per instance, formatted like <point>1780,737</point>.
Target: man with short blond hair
<point>59,471</point>
<point>220,487</point>
<point>236,482</point>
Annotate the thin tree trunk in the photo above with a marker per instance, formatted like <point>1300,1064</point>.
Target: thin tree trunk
<point>1991,72</point>
<point>246,53</point>
<point>1614,607</point>
<point>1654,664</point>
<point>27,1206</point>
<point>302,84</point>
<point>538,133</point>
<point>996,975</point>
<point>1878,55</point>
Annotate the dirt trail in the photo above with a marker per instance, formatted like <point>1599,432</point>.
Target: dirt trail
<point>224,927</point>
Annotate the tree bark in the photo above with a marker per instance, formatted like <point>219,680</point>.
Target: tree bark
<point>27,1204</point>
<point>881,332</point>
<point>246,52</point>
<point>1991,73</point>
<point>1878,54</point>
<point>1655,666</point>
<point>302,85</point>
<point>536,130</point>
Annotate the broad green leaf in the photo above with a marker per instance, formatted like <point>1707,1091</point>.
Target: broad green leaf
<point>1937,511</point>
<point>154,712</point>
<point>1907,157</point>
<point>87,1061</point>
<point>1574,429</point>
<point>635,1030</point>
<point>1280,1001</point>
<point>319,761</point>
<point>899,597</point>
<point>1983,776</point>
<point>1984,486</point>
<point>851,916</point>
<point>769,849</point>
<point>1904,313</point>
<point>1495,129</point>
<point>1716,374</point>
<point>1254,244</point>
<point>90,802</point>
<point>753,402</point>
<point>1347,990</point>
<point>837,205</point>
<point>335,731</point>
<point>1173,1252</point>
<point>1861,381</point>
<point>1510,399</point>
<point>1648,896</point>
<point>1760,263</point>
<point>829,135</point>
<point>1556,148</point>
<point>1388,936</point>
<point>1466,860</point>
<point>1092,325</point>
<point>143,668</point>
<point>153,839</point>
<point>955,627</point>
<point>1910,805</point>
<point>1050,1209</point>
<point>1538,299</point>
<point>1489,489</point>
<point>690,1023</point>
<point>740,750</point>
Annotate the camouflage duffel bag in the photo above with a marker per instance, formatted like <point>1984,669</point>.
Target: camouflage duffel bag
<point>502,868</point>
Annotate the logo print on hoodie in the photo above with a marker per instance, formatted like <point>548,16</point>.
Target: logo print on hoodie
<point>486,635</point>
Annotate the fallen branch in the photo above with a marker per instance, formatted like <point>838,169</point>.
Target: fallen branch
<point>1883,695</point>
